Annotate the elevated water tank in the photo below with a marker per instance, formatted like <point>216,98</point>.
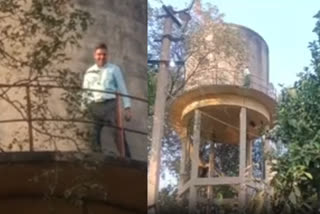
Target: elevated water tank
<point>222,69</point>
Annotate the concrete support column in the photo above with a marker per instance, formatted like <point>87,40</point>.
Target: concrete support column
<point>242,167</point>
<point>249,158</point>
<point>183,159</point>
<point>182,179</point>
<point>211,160</point>
<point>210,175</point>
<point>195,161</point>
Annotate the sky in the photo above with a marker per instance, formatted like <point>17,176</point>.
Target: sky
<point>286,26</point>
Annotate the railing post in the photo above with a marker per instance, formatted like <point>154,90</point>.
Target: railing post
<point>120,130</point>
<point>29,117</point>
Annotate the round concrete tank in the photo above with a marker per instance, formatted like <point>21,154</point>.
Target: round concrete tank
<point>258,61</point>
<point>225,71</point>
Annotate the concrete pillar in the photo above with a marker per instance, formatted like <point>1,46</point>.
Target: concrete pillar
<point>184,142</point>
<point>210,175</point>
<point>242,167</point>
<point>211,160</point>
<point>195,160</point>
<point>249,159</point>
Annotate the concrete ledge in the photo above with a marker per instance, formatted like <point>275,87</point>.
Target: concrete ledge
<point>216,181</point>
<point>31,176</point>
<point>215,91</point>
<point>69,157</point>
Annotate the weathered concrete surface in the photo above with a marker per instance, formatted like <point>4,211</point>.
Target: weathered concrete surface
<point>225,73</point>
<point>123,27</point>
<point>258,57</point>
<point>30,176</point>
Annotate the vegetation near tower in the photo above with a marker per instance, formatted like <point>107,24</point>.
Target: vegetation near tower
<point>36,40</point>
<point>297,182</point>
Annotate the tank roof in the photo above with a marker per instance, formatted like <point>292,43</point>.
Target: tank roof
<point>249,30</point>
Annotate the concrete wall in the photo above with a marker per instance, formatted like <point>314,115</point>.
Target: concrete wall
<point>31,176</point>
<point>120,24</point>
<point>258,52</point>
<point>223,69</point>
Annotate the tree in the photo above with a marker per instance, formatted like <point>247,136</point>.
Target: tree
<point>297,182</point>
<point>36,37</point>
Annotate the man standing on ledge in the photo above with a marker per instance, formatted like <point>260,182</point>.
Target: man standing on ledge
<point>101,106</point>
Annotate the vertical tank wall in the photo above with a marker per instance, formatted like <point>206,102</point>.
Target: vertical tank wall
<point>226,70</point>
<point>122,26</point>
<point>258,57</point>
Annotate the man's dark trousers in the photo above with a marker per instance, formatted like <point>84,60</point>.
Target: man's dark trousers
<point>104,131</point>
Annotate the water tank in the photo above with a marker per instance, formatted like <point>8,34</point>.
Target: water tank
<point>220,82</point>
<point>221,68</point>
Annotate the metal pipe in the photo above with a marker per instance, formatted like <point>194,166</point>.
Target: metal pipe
<point>120,131</point>
<point>29,118</point>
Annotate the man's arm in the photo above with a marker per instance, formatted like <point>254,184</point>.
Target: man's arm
<point>122,88</point>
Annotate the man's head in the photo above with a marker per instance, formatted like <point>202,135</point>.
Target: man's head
<point>100,54</point>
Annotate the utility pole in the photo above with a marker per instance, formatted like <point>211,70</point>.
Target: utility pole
<point>159,110</point>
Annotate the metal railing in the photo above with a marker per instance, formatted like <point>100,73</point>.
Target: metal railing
<point>228,77</point>
<point>30,119</point>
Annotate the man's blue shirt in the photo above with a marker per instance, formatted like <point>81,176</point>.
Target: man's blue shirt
<point>107,78</point>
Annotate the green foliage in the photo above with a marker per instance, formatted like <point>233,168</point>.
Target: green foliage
<point>152,88</point>
<point>297,181</point>
<point>168,201</point>
<point>36,41</point>
<point>35,34</point>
